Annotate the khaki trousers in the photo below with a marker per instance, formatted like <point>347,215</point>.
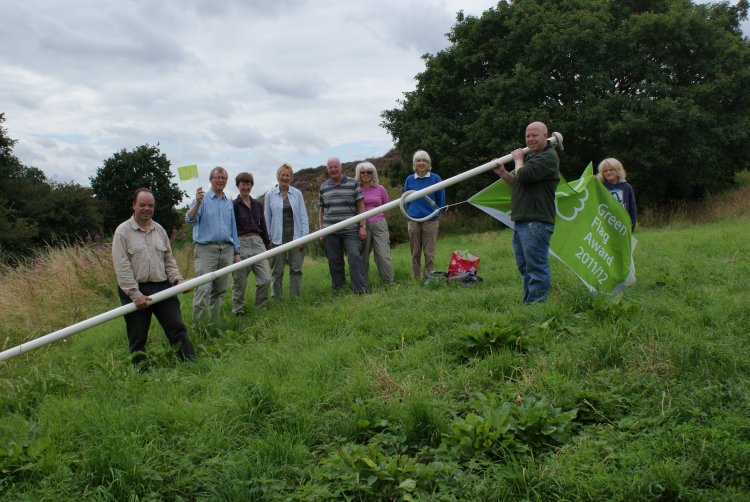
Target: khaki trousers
<point>296,258</point>
<point>207,298</point>
<point>423,239</point>
<point>378,241</point>
<point>251,245</point>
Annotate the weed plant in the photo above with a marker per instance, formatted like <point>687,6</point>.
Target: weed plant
<point>641,396</point>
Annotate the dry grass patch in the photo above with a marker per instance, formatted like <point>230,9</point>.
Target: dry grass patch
<point>731,204</point>
<point>378,378</point>
<point>60,287</point>
<point>650,358</point>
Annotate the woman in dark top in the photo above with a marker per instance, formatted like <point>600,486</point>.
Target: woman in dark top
<point>254,240</point>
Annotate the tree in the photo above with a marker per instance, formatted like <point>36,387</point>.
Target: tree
<point>9,163</point>
<point>660,84</point>
<point>34,211</point>
<point>16,232</point>
<point>124,172</point>
<point>68,213</point>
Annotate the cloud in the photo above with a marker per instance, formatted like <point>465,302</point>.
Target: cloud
<point>86,39</point>
<point>238,135</point>
<point>291,84</point>
<point>303,141</point>
<point>410,25</point>
<point>264,8</point>
<point>244,84</point>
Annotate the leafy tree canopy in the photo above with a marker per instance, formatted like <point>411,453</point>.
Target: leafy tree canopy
<point>9,163</point>
<point>125,172</point>
<point>35,211</point>
<point>660,84</point>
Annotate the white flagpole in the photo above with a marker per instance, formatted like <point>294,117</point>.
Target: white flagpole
<point>555,139</point>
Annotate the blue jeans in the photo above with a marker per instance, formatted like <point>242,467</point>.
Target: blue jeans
<point>531,247</point>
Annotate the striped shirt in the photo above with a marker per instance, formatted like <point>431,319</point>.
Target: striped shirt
<point>339,202</point>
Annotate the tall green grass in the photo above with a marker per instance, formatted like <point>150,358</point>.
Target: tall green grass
<point>335,396</point>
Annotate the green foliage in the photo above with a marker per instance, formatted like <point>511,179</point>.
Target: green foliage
<point>19,458</point>
<point>9,163</point>
<point>17,234</point>
<point>423,423</point>
<point>395,173</point>
<point>657,84</point>
<point>610,307</point>
<point>126,171</point>
<point>29,459</point>
<point>380,470</point>
<point>499,430</point>
<point>330,396</point>
<point>480,340</point>
<point>35,211</point>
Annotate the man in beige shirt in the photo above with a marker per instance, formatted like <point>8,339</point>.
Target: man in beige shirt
<point>144,265</point>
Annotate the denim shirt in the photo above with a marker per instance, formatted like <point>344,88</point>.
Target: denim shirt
<point>214,221</point>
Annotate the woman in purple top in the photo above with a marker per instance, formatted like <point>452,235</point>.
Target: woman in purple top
<point>613,175</point>
<point>378,239</point>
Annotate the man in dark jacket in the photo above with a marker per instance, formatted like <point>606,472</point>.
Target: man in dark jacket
<point>533,183</point>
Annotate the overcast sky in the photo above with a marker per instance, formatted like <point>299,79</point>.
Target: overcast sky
<point>245,84</point>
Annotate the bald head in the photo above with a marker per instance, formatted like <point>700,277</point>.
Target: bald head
<point>536,136</point>
<point>539,125</point>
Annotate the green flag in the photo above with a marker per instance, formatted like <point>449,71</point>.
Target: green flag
<point>187,172</point>
<point>592,230</point>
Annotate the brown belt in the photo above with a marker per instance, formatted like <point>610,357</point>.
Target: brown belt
<point>249,233</point>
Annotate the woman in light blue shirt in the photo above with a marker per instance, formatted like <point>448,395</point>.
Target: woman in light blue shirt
<point>286,218</point>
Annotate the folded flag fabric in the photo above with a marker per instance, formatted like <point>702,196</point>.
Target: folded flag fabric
<point>592,234</point>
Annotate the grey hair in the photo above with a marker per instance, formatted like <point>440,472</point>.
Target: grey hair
<point>281,168</point>
<point>421,154</point>
<point>367,165</point>
<point>217,169</point>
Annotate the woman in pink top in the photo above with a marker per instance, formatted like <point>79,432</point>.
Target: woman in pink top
<point>378,239</point>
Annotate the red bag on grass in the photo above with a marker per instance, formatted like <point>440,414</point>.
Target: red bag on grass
<point>462,261</point>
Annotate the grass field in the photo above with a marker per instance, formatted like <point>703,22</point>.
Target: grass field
<point>408,393</point>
